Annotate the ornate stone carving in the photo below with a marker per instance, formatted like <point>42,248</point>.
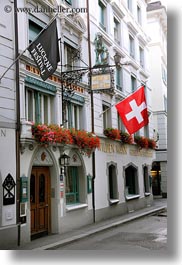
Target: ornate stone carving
<point>42,158</point>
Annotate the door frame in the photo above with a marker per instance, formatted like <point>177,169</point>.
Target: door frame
<point>48,231</point>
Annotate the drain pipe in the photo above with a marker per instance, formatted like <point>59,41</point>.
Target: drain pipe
<point>17,125</point>
<point>92,108</point>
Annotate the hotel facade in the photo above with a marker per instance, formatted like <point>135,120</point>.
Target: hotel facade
<point>52,199</point>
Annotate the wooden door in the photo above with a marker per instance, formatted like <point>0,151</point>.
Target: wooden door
<point>40,201</point>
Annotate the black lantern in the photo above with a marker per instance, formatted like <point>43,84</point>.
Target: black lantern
<point>64,160</point>
<point>117,58</point>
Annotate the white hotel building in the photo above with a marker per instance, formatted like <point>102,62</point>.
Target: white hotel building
<point>53,204</point>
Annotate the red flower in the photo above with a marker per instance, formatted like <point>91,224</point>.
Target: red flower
<point>55,134</point>
<point>151,143</point>
<point>112,133</point>
<point>141,141</point>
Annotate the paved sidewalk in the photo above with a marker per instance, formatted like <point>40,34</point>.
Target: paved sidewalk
<point>51,241</point>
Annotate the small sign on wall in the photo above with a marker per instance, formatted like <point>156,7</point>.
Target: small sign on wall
<point>8,190</point>
<point>89,183</point>
<point>24,189</point>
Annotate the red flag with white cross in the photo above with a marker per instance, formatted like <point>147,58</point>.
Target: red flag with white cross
<point>133,111</point>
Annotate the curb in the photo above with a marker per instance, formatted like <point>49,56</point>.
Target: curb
<point>97,230</point>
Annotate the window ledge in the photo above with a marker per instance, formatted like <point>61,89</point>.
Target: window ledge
<point>147,193</point>
<point>113,201</point>
<point>74,207</point>
<point>132,197</point>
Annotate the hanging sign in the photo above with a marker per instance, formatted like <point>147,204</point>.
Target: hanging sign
<point>101,81</point>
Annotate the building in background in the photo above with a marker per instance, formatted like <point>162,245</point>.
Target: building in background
<point>157,30</point>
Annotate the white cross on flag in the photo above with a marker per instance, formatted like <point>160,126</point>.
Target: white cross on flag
<point>133,111</point>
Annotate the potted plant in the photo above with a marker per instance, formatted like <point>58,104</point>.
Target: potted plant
<point>113,134</point>
<point>86,141</point>
<point>151,143</point>
<point>141,141</point>
<point>126,138</point>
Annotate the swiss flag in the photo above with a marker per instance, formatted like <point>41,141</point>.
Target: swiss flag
<point>133,111</point>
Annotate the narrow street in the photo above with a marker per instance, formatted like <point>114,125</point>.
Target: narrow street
<point>146,234</point>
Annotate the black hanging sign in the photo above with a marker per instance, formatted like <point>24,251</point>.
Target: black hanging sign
<point>45,51</point>
<point>8,190</point>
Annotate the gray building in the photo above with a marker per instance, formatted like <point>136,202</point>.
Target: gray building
<point>157,30</point>
<point>8,214</point>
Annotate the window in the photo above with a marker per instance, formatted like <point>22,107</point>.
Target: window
<point>69,2</point>
<point>106,115</point>
<point>116,30</point>
<point>131,181</point>
<point>119,78</point>
<point>38,106</point>
<point>141,52</point>
<point>164,75</point>
<point>72,185</point>
<point>146,179</point>
<point>70,52</point>
<point>34,30</point>
<point>133,83</point>
<point>120,123</point>
<point>102,15</point>
<point>132,46</point>
<point>74,116</point>
<point>129,5</point>
<point>146,131</point>
<point>139,17</point>
<point>165,103</point>
<point>113,187</point>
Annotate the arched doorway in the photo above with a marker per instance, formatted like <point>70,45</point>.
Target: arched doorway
<point>43,193</point>
<point>40,206</point>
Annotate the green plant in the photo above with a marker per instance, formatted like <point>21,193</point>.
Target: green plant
<point>151,143</point>
<point>141,141</point>
<point>112,133</point>
<point>45,134</point>
<point>126,138</point>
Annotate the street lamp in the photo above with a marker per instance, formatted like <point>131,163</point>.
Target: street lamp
<point>64,160</point>
<point>117,59</point>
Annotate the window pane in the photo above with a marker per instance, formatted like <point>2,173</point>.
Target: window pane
<point>139,14</point>
<point>116,30</point>
<point>130,5</point>
<point>133,83</point>
<point>34,30</point>
<point>30,106</point>
<point>105,121</point>
<point>72,186</point>
<point>75,118</point>
<point>46,109</point>
<point>38,107</point>
<point>132,51</point>
<point>69,1</point>
<point>102,15</point>
<point>131,184</point>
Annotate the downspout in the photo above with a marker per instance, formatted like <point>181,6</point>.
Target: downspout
<point>17,123</point>
<point>92,108</point>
